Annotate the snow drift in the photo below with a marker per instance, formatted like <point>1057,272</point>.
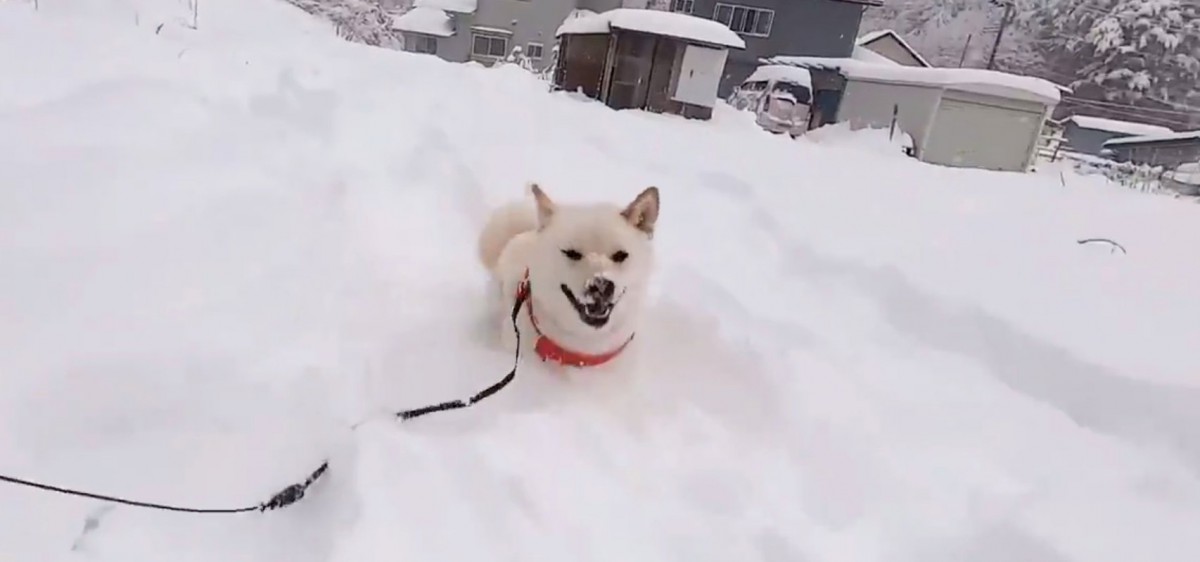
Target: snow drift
<point>220,247</point>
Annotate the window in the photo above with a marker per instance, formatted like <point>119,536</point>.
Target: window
<point>684,6</point>
<point>534,51</point>
<point>745,20</point>
<point>424,44</point>
<point>489,45</point>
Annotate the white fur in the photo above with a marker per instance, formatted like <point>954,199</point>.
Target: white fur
<point>532,234</point>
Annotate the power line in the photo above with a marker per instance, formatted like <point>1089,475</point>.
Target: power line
<point>1120,105</point>
<point>1112,105</point>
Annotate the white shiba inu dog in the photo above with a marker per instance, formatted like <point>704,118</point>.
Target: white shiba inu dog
<point>584,269</point>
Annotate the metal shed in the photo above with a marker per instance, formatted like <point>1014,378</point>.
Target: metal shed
<point>1087,135</point>
<point>956,117</point>
<point>664,62</point>
<point>1165,149</point>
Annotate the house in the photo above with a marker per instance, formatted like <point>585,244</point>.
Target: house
<point>819,28</point>
<point>660,61</point>
<point>955,116</point>
<point>890,45</point>
<point>1168,150</point>
<point>483,31</point>
<point>488,30</point>
<point>1087,135</point>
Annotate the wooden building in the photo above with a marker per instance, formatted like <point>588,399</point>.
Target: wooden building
<point>665,62</point>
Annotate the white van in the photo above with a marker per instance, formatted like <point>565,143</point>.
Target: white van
<point>779,95</point>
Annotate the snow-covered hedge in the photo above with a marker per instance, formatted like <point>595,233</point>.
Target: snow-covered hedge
<point>361,21</point>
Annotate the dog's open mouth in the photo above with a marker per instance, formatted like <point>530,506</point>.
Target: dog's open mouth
<point>592,311</point>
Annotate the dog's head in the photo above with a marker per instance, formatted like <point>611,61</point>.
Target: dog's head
<point>592,262</point>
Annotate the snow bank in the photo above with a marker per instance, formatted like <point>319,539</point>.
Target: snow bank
<point>1117,126</point>
<point>670,24</point>
<point>877,141</point>
<point>966,79</point>
<point>422,19</point>
<point>221,247</point>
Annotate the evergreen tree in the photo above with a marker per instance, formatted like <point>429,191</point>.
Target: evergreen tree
<point>1127,51</point>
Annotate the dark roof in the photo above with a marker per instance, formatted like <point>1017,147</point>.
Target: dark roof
<point>875,3</point>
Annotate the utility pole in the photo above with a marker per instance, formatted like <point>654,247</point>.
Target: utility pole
<point>966,45</point>
<point>1009,12</point>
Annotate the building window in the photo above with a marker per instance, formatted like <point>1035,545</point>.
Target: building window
<point>534,51</point>
<point>424,44</point>
<point>683,6</point>
<point>489,45</point>
<point>744,19</point>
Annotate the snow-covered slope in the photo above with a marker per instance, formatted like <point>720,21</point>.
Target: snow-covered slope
<point>221,247</point>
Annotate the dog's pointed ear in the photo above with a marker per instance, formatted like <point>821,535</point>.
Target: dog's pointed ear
<point>642,213</point>
<point>545,207</point>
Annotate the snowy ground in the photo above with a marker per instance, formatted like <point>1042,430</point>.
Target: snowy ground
<point>220,247</point>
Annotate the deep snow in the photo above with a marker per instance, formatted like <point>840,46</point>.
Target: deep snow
<point>221,247</point>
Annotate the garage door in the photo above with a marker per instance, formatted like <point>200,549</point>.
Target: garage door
<point>977,135</point>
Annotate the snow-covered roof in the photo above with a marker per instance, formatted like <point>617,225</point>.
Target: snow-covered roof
<point>1162,137</point>
<point>783,73</point>
<point>1116,126</point>
<point>457,6</point>
<point>670,24</point>
<point>867,55</point>
<point>987,82</point>
<point>426,20</point>
<point>873,36</point>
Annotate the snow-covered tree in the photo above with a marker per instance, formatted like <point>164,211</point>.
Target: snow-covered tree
<point>547,72</point>
<point>361,21</point>
<point>948,32</point>
<point>1128,51</point>
<point>517,57</point>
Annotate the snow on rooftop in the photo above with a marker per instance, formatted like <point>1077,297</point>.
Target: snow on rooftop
<point>426,20</point>
<point>988,82</point>
<point>671,24</point>
<point>1118,126</point>
<point>457,6</point>
<point>780,72</point>
<point>1160,137</point>
<point>874,35</point>
<point>867,55</point>
<point>871,36</point>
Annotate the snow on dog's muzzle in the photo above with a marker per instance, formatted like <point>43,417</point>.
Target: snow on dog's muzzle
<point>599,299</point>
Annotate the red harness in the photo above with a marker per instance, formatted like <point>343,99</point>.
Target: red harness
<point>550,350</point>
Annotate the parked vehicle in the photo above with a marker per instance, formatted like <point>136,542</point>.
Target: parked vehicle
<point>780,96</point>
<point>1184,179</point>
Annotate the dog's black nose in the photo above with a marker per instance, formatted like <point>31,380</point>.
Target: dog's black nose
<point>601,288</point>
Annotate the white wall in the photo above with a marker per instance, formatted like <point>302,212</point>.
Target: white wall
<point>869,104</point>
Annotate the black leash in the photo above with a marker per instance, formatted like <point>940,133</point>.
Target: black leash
<point>295,492</point>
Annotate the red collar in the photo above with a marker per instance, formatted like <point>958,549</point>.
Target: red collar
<point>550,350</point>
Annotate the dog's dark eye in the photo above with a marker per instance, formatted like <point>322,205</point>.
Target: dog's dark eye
<point>572,255</point>
<point>620,256</point>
